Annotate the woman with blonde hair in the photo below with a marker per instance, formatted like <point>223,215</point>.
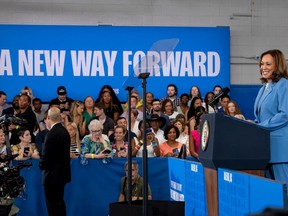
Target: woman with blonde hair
<point>75,146</point>
<point>77,108</point>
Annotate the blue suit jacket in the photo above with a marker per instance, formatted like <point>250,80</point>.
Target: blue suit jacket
<point>271,111</point>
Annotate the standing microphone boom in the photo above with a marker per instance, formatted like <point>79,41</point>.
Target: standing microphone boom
<point>215,100</point>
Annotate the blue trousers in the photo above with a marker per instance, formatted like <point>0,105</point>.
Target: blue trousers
<point>278,172</point>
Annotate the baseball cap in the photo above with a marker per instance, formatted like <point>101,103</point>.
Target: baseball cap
<point>61,90</point>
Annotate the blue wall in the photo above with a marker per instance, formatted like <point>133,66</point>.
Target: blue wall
<point>245,95</point>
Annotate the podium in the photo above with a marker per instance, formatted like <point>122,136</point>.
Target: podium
<point>228,142</point>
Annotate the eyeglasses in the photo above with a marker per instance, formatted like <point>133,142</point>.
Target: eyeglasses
<point>95,131</point>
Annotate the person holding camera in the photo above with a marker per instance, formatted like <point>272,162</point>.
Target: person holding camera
<point>29,119</point>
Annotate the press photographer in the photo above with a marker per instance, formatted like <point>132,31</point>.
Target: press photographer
<point>26,114</point>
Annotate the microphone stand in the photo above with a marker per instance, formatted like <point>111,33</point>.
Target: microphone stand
<point>144,76</point>
<point>129,178</point>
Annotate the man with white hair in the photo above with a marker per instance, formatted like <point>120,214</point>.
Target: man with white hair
<point>55,163</point>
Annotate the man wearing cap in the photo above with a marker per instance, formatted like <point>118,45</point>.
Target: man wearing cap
<point>62,101</point>
<point>157,122</point>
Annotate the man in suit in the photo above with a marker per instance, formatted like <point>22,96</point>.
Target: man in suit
<point>55,163</point>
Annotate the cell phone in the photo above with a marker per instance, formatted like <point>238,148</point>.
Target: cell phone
<point>149,130</point>
<point>26,150</point>
<point>175,151</point>
<point>106,151</point>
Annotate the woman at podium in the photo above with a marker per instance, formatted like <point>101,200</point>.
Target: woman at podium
<point>271,110</point>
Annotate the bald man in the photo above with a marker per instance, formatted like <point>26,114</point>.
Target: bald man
<point>55,163</point>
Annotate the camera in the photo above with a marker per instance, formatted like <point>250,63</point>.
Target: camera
<point>12,119</point>
<point>11,183</point>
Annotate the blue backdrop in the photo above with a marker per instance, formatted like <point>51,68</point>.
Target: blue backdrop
<point>84,58</point>
<point>95,186</point>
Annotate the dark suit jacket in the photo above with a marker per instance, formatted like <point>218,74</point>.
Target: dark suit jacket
<point>55,161</point>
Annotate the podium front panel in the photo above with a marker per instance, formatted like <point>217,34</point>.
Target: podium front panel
<point>233,143</point>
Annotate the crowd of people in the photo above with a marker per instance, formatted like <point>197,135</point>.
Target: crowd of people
<point>101,124</point>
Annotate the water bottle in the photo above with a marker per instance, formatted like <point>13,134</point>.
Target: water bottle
<point>83,160</point>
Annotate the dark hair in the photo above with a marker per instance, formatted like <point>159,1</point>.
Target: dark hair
<point>119,118</point>
<point>216,87</point>
<point>113,95</point>
<point>199,111</point>
<point>164,103</point>
<point>175,87</point>
<point>2,93</point>
<point>22,131</point>
<point>206,99</point>
<point>168,128</point>
<point>183,95</point>
<point>150,93</point>
<point>147,124</point>
<point>155,99</point>
<point>225,96</point>
<point>25,94</point>
<point>199,92</point>
<point>280,65</point>
<point>100,105</point>
<point>191,111</point>
<point>36,99</point>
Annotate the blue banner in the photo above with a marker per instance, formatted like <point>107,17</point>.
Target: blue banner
<point>84,58</point>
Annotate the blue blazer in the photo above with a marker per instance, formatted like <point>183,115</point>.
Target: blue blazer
<point>271,111</point>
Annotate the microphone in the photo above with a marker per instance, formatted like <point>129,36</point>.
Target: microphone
<point>215,100</point>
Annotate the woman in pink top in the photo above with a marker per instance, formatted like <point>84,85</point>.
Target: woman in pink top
<point>171,147</point>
